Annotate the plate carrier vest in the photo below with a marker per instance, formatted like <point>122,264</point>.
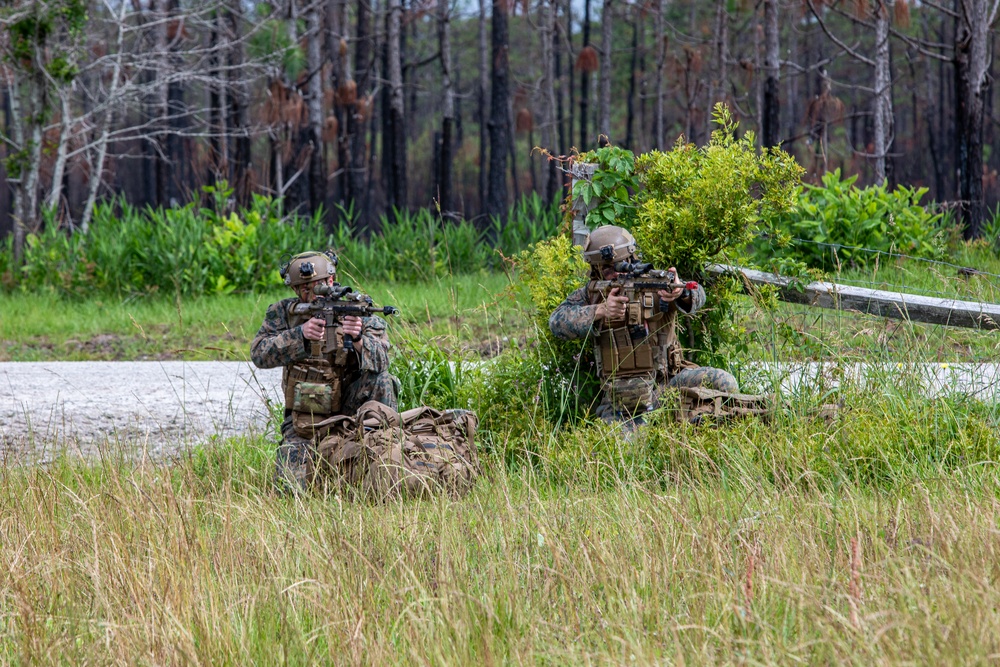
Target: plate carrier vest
<point>314,386</point>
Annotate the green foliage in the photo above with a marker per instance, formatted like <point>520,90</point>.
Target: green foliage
<point>428,374</point>
<point>880,442</point>
<point>272,41</point>
<point>549,271</point>
<point>419,245</point>
<point>184,250</point>
<point>40,36</point>
<point>695,206</point>
<point>702,205</point>
<point>838,214</point>
<point>612,185</point>
<point>549,382</point>
<point>699,204</point>
<point>195,250</point>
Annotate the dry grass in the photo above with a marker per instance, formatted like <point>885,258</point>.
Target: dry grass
<point>200,563</point>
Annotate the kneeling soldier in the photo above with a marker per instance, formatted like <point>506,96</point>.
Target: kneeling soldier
<point>636,345</point>
<point>319,380</point>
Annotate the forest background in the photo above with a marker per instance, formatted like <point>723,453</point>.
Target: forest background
<point>359,108</point>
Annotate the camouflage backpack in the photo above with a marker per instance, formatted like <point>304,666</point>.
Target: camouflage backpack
<point>697,404</point>
<point>384,455</point>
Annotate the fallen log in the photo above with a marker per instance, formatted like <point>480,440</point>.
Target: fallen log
<point>881,303</point>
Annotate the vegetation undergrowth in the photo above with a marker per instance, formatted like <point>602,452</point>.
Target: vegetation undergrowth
<point>196,250</point>
<point>681,544</point>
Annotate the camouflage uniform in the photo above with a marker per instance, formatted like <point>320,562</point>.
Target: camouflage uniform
<point>625,398</point>
<point>366,377</point>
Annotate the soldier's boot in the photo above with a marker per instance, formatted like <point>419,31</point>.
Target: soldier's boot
<point>627,425</point>
<point>292,468</point>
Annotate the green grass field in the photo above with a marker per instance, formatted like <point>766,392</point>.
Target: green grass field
<point>744,544</point>
<point>874,539</point>
<point>466,310</point>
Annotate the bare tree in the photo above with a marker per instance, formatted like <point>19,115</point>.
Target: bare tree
<point>314,104</point>
<point>358,113</point>
<point>496,203</point>
<point>972,62</point>
<point>42,64</point>
<point>481,99</point>
<point>661,62</point>
<point>604,100</point>
<point>771,111</point>
<point>395,142</point>
<point>548,32</point>
<point>444,177</point>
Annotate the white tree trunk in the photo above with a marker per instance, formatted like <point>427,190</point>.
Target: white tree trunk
<point>97,165</point>
<point>55,193</point>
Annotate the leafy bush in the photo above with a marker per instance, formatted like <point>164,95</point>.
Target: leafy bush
<point>549,382</point>
<point>830,221</point>
<point>694,206</point>
<point>195,250</point>
<point>612,186</point>
<point>184,250</point>
<point>704,205</point>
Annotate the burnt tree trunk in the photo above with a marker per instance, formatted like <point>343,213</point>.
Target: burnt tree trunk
<point>239,98</point>
<point>604,95</point>
<point>496,203</point>
<point>395,142</point>
<point>972,59</point>
<point>771,112</point>
<point>357,116</point>
<point>314,102</point>
<point>585,82</point>
<point>444,171</point>
<point>483,123</point>
<point>548,33</point>
<point>633,67</point>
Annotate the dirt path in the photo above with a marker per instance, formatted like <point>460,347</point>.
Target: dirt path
<point>146,406</point>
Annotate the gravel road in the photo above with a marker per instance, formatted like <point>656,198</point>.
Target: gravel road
<point>147,407</point>
<point>158,408</point>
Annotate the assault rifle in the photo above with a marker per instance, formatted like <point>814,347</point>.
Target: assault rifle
<point>332,304</point>
<point>642,277</point>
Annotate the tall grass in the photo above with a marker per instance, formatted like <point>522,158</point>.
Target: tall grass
<point>199,562</point>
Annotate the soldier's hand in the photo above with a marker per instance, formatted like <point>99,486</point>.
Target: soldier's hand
<point>674,294</point>
<point>351,326</point>
<point>314,329</point>
<point>613,308</point>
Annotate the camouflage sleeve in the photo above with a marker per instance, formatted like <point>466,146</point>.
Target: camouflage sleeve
<point>574,317</point>
<point>374,355</point>
<point>697,301</point>
<point>275,344</point>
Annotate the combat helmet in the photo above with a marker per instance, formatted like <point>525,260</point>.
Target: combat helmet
<point>608,245</point>
<point>309,266</point>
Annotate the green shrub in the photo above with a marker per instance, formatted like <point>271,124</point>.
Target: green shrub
<point>537,388</point>
<point>830,221</point>
<point>695,206</point>
<point>195,250</point>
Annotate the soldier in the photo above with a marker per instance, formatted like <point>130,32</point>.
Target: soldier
<point>345,380</point>
<point>634,363</point>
